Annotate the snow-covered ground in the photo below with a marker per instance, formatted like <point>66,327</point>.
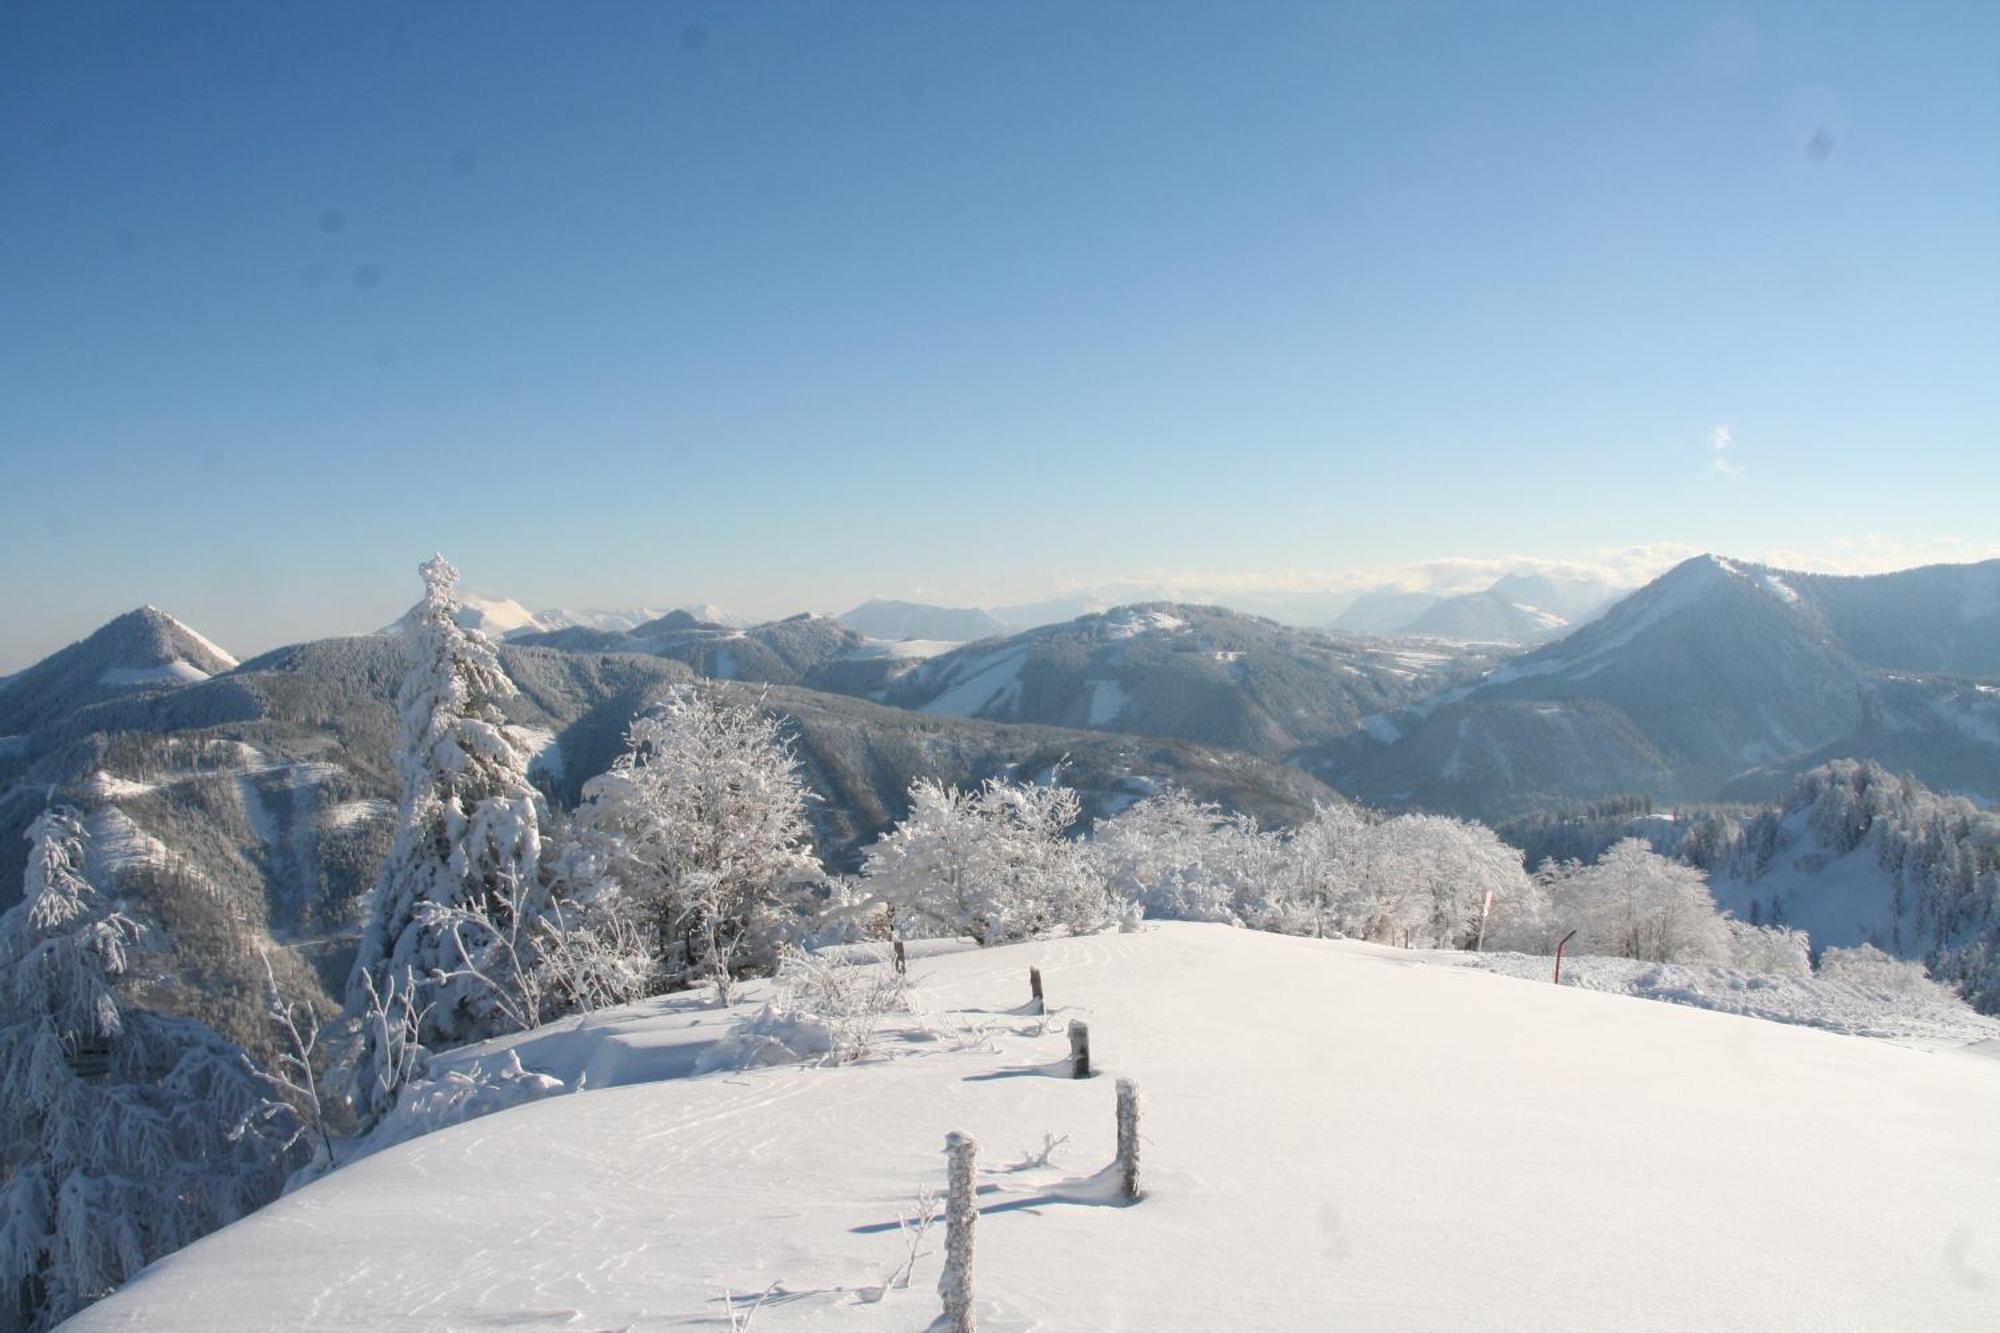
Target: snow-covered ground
<point>1336,1135</point>
<point>1833,1006</point>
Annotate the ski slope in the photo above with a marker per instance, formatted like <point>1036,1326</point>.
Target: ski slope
<point>1335,1136</point>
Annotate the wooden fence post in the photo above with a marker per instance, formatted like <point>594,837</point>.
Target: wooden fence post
<point>1079,1049</point>
<point>902,960</point>
<point>1035,989</point>
<point>1128,1138</point>
<point>960,1212</point>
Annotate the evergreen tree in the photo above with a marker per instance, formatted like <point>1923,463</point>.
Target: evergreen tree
<point>468,832</point>
<point>124,1134</point>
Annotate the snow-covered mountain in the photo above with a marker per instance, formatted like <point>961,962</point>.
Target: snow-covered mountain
<point>1384,611</point>
<point>1198,673</point>
<point>1523,608</point>
<point>1488,617</point>
<point>252,804</point>
<point>1718,672</point>
<point>505,618</point>
<point>621,618</point>
<point>1332,1134</point>
<point>140,651</point>
<point>884,619</point>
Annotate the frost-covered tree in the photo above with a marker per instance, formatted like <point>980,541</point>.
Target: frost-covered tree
<point>1182,859</point>
<point>1772,950</point>
<point>1329,863</point>
<point>1635,903</point>
<point>996,863</point>
<point>124,1134</point>
<point>700,830</point>
<point>468,830</point>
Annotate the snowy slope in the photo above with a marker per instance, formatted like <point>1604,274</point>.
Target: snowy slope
<point>1335,1136</point>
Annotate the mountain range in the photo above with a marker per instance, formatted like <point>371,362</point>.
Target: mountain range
<point>236,803</point>
<point>1720,678</point>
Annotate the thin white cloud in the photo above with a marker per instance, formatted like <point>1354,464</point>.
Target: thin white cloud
<point>1721,462</point>
<point>1873,553</point>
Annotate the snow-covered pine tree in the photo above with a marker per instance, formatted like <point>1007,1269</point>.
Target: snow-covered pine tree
<point>468,831</point>
<point>700,829</point>
<point>124,1134</point>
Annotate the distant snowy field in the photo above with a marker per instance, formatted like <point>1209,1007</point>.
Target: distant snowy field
<point>1336,1135</point>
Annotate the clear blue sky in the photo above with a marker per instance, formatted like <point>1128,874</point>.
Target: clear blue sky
<point>786,305</point>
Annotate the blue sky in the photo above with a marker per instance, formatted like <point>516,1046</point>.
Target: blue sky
<point>783,306</point>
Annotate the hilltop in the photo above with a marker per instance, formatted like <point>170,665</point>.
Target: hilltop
<point>1334,1133</point>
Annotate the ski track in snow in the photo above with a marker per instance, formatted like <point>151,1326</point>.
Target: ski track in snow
<point>1329,1127</point>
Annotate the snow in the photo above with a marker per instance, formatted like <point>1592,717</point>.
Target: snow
<point>108,787</point>
<point>176,672</point>
<point>1971,722</point>
<point>1671,595</point>
<point>262,822</point>
<point>116,844</point>
<point>986,681</point>
<point>348,814</point>
<point>1378,726</point>
<point>1781,589</point>
<point>201,641</point>
<point>913,648</point>
<point>1107,700</point>
<point>1806,1001</point>
<point>1330,1129</point>
<point>544,751</point>
<point>496,617</point>
<point>1129,623</point>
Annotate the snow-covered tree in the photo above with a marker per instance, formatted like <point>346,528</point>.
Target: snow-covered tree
<point>1771,950</point>
<point>1328,861</point>
<point>1635,903</point>
<point>699,830</point>
<point>1184,860</point>
<point>995,863</point>
<point>124,1134</point>
<point>468,831</point>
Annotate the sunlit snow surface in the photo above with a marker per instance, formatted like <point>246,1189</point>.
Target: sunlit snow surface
<point>1335,1136</point>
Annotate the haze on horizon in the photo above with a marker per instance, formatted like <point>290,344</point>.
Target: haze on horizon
<point>782,309</point>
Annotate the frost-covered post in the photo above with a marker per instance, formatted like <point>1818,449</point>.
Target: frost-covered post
<point>1079,1049</point>
<point>1128,1138</point>
<point>1035,989</point>
<point>902,959</point>
<point>955,1283</point>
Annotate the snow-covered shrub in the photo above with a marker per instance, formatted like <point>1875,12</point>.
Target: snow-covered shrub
<point>389,1046</point>
<point>995,863</point>
<point>1772,950</point>
<point>537,964</point>
<point>825,1008</point>
<point>468,830</point>
<point>699,833</point>
<point>427,1104</point>
<point>124,1134</point>
<point>1870,968</point>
